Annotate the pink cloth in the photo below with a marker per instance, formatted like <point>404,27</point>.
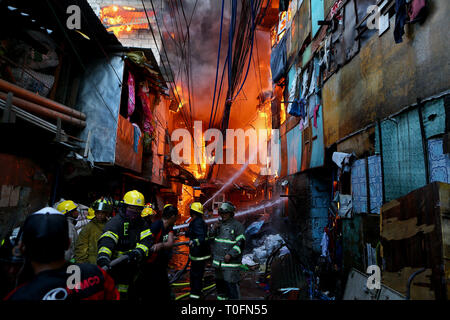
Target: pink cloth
<point>145,99</point>
<point>415,7</point>
<point>131,95</point>
<point>315,115</point>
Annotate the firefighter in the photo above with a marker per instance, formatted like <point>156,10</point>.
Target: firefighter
<point>153,273</point>
<point>149,213</point>
<point>44,240</point>
<point>86,246</point>
<point>227,252</point>
<point>126,233</point>
<point>199,250</point>
<point>70,210</point>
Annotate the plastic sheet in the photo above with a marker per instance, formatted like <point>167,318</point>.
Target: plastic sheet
<point>278,60</point>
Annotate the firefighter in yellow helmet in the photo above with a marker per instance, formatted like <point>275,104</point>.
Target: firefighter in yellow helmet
<point>86,246</point>
<point>153,282</point>
<point>126,233</point>
<point>91,214</point>
<point>70,210</point>
<point>199,250</point>
<point>149,213</point>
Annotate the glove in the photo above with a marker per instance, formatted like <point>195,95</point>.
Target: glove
<point>134,255</point>
<point>103,262</point>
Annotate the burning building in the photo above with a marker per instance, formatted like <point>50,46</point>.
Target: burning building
<point>128,21</point>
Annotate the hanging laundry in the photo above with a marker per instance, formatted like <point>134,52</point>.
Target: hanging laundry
<point>312,84</point>
<point>278,60</point>
<point>324,245</point>
<point>293,86</point>
<point>304,84</point>
<point>335,8</point>
<point>416,10</point>
<point>144,95</point>
<point>298,108</point>
<point>316,109</point>
<point>341,158</point>
<point>137,136</point>
<point>345,206</point>
<point>400,20</point>
<point>294,108</point>
<point>131,95</point>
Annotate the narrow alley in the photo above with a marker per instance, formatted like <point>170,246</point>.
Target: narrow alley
<point>182,150</point>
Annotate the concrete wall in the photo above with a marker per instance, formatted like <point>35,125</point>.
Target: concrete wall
<point>385,77</point>
<point>306,213</point>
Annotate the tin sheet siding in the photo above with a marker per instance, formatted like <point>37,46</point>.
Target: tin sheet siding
<point>102,111</point>
<point>359,186</point>
<point>439,163</point>
<point>294,147</point>
<point>375,183</point>
<point>434,118</point>
<point>403,155</point>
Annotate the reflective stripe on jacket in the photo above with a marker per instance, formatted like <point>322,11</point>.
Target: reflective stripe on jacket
<point>120,235</point>
<point>229,239</point>
<point>197,232</point>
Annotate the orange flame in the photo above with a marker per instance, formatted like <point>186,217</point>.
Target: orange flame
<point>283,113</point>
<point>123,20</point>
<point>187,197</point>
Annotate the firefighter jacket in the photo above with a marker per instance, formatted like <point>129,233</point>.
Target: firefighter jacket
<point>94,284</point>
<point>197,232</point>
<point>86,246</point>
<point>121,235</point>
<point>228,239</point>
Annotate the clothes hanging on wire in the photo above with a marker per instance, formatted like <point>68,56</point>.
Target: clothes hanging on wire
<point>298,108</point>
<point>400,20</point>
<point>416,10</point>
<point>316,109</point>
<point>324,245</point>
<point>131,95</point>
<point>137,136</point>
<point>278,59</point>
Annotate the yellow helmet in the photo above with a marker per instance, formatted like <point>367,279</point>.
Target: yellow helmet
<point>197,207</point>
<point>168,205</point>
<point>148,211</point>
<point>91,214</point>
<point>134,198</point>
<point>66,206</point>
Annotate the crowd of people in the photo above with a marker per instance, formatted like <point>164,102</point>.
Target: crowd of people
<point>122,253</point>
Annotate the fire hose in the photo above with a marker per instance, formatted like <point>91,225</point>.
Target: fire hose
<point>181,296</point>
<point>126,258</point>
<point>115,262</point>
<point>408,286</point>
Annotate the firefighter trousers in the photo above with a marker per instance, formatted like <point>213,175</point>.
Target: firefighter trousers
<point>196,278</point>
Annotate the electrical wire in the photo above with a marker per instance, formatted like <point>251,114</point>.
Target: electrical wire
<point>171,81</point>
<point>218,63</point>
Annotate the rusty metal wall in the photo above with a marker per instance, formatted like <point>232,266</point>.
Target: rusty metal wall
<point>385,77</point>
<point>126,156</point>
